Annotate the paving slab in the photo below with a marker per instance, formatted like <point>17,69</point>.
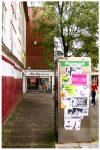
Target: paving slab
<point>89,145</point>
<point>78,145</point>
<point>30,125</point>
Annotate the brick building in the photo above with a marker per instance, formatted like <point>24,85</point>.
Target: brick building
<point>38,77</point>
<point>34,53</point>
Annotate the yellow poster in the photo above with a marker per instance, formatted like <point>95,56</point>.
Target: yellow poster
<point>64,78</point>
<point>67,88</point>
<point>71,89</point>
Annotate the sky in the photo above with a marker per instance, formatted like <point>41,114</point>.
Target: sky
<point>34,3</point>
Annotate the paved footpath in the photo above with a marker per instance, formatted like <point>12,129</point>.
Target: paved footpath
<point>94,119</point>
<point>31,123</point>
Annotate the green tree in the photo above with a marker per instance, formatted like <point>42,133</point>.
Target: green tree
<point>74,24</point>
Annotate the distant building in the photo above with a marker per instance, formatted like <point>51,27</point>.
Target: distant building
<point>34,53</point>
<point>14,15</point>
<point>38,77</point>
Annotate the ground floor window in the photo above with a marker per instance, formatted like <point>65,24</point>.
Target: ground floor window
<point>39,83</point>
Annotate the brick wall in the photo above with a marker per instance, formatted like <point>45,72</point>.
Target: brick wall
<point>34,53</point>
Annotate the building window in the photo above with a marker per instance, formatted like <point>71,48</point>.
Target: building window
<point>13,5</point>
<point>13,15</point>
<point>20,25</point>
<point>19,41</point>
<point>4,22</point>
<point>35,42</point>
<point>13,40</point>
<point>20,7</point>
<point>39,84</point>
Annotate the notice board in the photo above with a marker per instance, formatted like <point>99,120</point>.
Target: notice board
<point>74,78</point>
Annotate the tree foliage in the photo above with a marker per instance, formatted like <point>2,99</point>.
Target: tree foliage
<point>74,24</point>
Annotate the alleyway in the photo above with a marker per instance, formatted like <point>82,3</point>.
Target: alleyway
<point>31,124</point>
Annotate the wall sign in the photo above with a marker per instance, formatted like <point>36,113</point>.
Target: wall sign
<point>29,73</point>
<point>70,63</point>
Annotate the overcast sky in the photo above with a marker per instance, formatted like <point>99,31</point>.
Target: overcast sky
<point>34,3</point>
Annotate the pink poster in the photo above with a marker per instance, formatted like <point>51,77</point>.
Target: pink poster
<point>79,79</point>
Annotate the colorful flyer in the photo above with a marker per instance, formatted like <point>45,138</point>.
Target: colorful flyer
<point>65,78</point>
<point>71,89</point>
<point>62,104</point>
<point>79,79</point>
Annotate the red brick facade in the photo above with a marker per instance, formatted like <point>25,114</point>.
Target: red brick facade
<point>34,53</point>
